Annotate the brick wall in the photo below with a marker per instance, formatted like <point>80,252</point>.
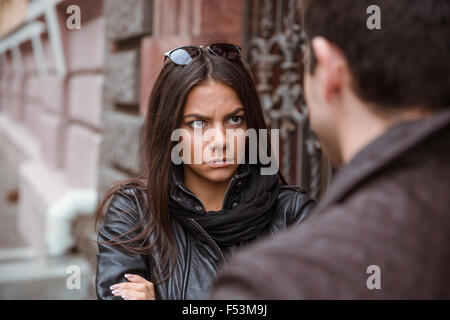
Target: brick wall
<point>126,23</point>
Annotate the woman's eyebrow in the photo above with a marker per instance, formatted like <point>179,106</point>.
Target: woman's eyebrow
<point>197,115</point>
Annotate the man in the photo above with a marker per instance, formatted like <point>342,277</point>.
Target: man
<point>379,101</point>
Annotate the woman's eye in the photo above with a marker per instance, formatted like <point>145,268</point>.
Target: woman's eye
<point>234,120</point>
<point>197,124</point>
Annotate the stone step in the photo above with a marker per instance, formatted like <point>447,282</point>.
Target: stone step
<point>15,254</point>
<point>61,278</point>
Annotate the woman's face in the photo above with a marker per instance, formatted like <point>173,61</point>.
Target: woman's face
<point>213,115</point>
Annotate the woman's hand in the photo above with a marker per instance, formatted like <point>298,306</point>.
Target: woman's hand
<point>137,289</point>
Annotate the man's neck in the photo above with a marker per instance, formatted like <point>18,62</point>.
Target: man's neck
<point>363,124</point>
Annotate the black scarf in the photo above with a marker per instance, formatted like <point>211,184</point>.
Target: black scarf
<point>249,219</point>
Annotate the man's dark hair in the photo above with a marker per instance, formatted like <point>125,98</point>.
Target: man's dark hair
<point>403,64</point>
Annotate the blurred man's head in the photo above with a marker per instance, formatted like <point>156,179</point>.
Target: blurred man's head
<point>359,81</point>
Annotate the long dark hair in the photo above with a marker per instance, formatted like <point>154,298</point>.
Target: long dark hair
<point>164,115</point>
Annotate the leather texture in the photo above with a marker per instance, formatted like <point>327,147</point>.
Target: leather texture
<point>199,258</point>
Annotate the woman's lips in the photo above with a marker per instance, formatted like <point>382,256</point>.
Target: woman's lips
<point>220,163</point>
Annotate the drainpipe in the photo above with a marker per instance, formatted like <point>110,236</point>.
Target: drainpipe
<point>73,203</point>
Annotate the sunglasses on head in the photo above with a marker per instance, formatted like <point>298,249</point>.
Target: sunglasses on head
<point>184,55</point>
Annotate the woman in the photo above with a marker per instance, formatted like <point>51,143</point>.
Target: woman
<point>166,233</point>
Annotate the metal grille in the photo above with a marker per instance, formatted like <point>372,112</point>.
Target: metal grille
<point>273,36</point>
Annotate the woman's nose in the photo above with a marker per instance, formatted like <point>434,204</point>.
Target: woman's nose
<point>218,139</point>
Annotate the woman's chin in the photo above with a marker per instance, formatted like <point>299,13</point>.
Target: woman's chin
<point>219,174</point>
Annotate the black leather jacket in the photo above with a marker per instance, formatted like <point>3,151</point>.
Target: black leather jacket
<point>199,257</point>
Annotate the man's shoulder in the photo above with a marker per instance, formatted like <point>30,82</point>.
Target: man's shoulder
<point>322,258</point>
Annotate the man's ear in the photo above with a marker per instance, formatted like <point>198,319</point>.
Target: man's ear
<point>329,68</point>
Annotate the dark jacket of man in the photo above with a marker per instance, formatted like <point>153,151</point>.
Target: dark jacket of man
<point>382,230</point>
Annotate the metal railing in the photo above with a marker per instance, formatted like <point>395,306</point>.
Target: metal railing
<point>273,38</point>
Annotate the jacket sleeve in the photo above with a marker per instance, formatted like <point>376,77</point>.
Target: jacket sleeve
<point>302,208</point>
<point>296,204</point>
<point>113,262</point>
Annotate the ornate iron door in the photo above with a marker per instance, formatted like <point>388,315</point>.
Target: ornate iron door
<point>273,51</point>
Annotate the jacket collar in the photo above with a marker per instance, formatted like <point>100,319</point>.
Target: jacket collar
<point>181,191</point>
<point>381,152</point>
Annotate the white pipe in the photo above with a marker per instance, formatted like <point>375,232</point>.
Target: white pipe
<point>39,55</point>
<point>55,40</point>
<point>75,202</point>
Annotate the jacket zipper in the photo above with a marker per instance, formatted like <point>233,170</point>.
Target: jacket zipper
<point>186,276</point>
<point>224,198</point>
<point>226,192</point>
<point>208,237</point>
<point>181,187</point>
<point>199,227</point>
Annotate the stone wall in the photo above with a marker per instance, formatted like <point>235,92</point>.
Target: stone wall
<point>127,22</point>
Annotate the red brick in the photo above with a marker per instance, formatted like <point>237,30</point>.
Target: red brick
<point>50,134</point>
<point>9,105</point>
<point>85,98</point>
<point>82,156</point>
<point>166,16</point>
<point>152,61</point>
<point>53,94</point>
<point>34,88</point>
<point>222,20</point>
<point>86,46</point>
<point>31,116</point>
